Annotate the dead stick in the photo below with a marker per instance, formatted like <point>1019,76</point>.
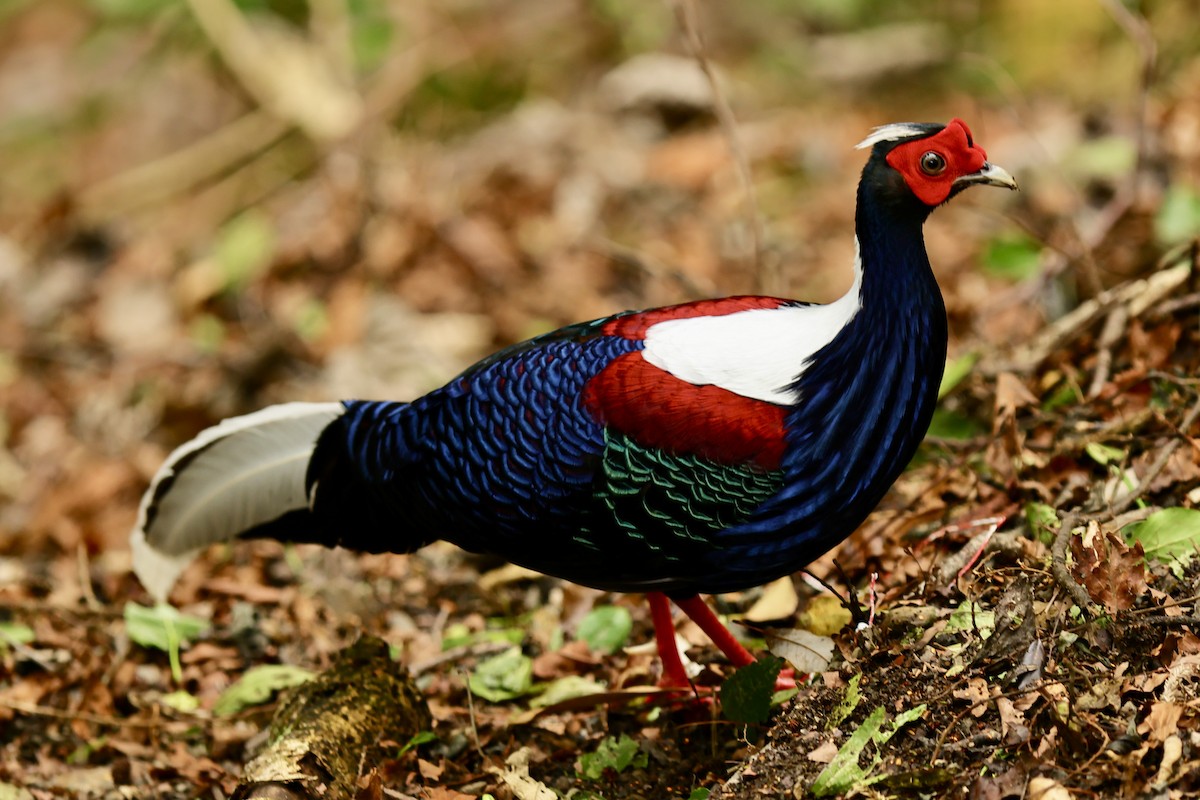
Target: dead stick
<point>1058,563</point>
<point>1128,498</point>
<point>1114,326</point>
<point>685,13</point>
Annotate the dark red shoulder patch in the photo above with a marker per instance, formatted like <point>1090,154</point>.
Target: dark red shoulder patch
<point>634,326</point>
<point>659,410</point>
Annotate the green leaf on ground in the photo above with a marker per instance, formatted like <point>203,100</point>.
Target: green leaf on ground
<point>849,703</point>
<point>617,754</point>
<point>244,249</point>
<point>418,739</point>
<point>567,688</point>
<point>1103,454</point>
<point>1178,217</point>
<point>181,700</point>
<point>257,686</point>
<point>949,424</point>
<point>956,372</point>
<point>1171,534</point>
<point>14,633</point>
<point>1014,257</point>
<point>606,628</point>
<point>1043,521</point>
<point>1065,394</point>
<point>971,617</point>
<point>843,773</point>
<point>503,677</point>
<point>746,694</point>
<point>10,791</point>
<point>162,627</point>
<point>1112,157</point>
<point>459,635</point>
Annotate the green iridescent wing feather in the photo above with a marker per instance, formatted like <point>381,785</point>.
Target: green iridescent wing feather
<point>676,501</point>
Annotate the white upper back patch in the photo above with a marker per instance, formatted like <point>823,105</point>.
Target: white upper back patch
<point>757,353</point>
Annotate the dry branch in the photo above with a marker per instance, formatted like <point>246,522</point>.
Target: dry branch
<point>769,278</point>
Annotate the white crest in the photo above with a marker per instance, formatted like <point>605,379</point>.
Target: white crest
<point>891,133</point>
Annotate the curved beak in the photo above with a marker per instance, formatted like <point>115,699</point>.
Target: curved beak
<point>990,175</point>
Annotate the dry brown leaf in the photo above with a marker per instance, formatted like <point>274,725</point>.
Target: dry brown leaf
<point>1162,721</point>
<point>1011,395</point>
<point>975,692</point>
<point>1006,450</point>
<point>1113,573</point>
<point>1043,788</point>
<point>824,753</point>
<point>1012,722</point>
<point>1004,786</point>
<point>778,601</point>
<point>442,793</point>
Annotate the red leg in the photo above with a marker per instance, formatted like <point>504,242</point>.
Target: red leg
<point>703,616</point>
<point>674,675</point>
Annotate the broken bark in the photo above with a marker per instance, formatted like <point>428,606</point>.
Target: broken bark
<point>328,730</point>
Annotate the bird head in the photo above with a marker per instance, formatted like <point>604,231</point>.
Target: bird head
<point>933,162</point>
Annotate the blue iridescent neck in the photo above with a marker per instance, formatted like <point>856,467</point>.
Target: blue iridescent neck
<point>865,403</point>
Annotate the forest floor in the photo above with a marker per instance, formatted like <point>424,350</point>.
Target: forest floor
<point>1017,619</point>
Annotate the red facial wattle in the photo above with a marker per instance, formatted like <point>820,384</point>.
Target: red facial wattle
<point>953,143</point>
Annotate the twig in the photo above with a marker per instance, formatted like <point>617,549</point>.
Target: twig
<point>458,653</point>
<point>471,714</point>
<point>1138,295</point>
<point>1176,304</point>
<point>1174,622</point>
<point>329,26</point>
<point>1125,500</point>
<point>1138,29</point>
<point>38,608</point>
<point>174,174</point>
<point>93,719</point>
<point>252,134</point>
<point>768,275</point>
<point>648,265</point>
<point>85,578</point>
<point>1058,562</point>
<point>991,698</point>
<point>283,71</point>
<point>1183,601</point>
<point>1114,326</point>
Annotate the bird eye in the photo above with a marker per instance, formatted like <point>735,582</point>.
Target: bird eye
<point>932,163</point>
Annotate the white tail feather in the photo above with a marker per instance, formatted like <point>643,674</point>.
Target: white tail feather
<point>232,477</point>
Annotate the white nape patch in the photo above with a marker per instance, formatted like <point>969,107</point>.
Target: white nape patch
<point>757,353</point>
<point>242,472</point>
<point>891,133</point>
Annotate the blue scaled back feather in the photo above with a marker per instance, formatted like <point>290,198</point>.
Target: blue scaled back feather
<point>699,448</point>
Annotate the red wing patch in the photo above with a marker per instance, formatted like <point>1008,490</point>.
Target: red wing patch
<point>634,326</point>
<point>659,410</point>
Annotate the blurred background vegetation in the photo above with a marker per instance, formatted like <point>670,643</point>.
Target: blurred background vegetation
<point>210,205</point>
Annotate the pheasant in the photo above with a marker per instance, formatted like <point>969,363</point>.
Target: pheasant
<point>693,449</point>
